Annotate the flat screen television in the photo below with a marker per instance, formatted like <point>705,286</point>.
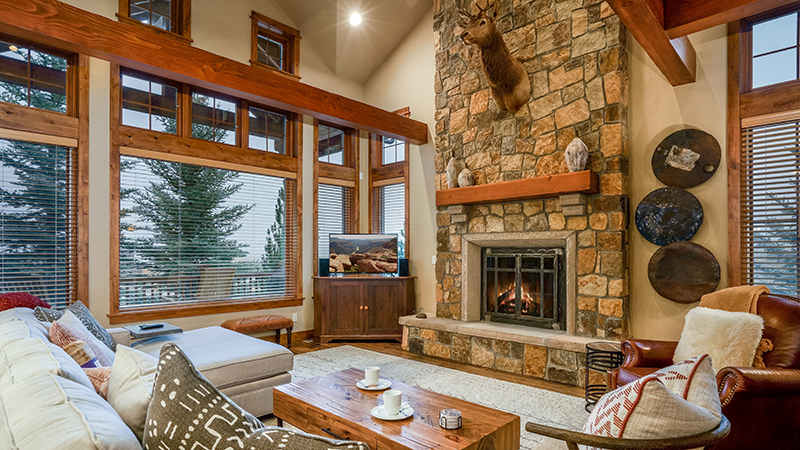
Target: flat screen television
<point>363,253</point>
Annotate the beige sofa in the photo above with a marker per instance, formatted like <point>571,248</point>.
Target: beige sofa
<point>47,400</point>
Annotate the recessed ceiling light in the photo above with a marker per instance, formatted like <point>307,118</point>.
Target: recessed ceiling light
<point>355,19</point>
<point>13,48</point>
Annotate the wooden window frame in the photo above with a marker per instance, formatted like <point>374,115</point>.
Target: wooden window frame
<point>70,129</point>
<point>292,130</point>
<point>218,96</point>
<point>385,174</point>
<point>183,148</point>
<point>345,175</point>
<point>748,107</point>
<point>181,20</point>
<point>289,37</point>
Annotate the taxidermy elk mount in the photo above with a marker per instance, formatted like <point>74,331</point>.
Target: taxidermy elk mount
<point>508,80</point>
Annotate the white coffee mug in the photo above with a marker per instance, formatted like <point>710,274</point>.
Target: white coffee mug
<point>391,402</point>
<point>371,375</point>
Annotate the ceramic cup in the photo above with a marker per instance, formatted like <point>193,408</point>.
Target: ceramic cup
<point>371,375</point>
<point>391,402</point>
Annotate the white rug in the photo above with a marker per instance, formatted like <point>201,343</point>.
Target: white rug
<point>529,403</point>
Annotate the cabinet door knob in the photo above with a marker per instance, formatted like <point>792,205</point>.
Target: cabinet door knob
<point>366,307</point>
<point>361,307</point>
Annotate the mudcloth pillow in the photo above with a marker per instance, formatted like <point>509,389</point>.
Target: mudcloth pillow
<point>188,411</point>
<point>21,300</point>
<point>85,316</point>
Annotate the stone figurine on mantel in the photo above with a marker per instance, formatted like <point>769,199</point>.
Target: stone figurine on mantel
<point>576,155</point>
<point>465,178</point>
<point>452,174</point>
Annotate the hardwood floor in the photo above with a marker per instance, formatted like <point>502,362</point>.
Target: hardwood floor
<point>394,349</point>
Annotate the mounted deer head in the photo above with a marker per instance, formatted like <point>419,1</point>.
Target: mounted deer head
<point>509,83</point>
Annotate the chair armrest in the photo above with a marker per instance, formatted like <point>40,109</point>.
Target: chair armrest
<point>121,336</point>
<point>686,442</point>
<point>775,381</point>
<point>648,353</point>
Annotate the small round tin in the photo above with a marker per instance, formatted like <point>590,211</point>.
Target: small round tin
<point>450,419</point>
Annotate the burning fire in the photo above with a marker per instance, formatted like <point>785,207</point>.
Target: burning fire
<point>506,302</point>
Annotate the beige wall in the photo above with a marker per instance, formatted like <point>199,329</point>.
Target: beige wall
<point>406,79</point>
<point>656,110</point>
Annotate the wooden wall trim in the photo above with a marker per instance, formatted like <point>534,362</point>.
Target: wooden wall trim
<point>82,225</point>
<point>114,193</point>
<point>780,98</point>
<point>39,138</point>
<point>24,118</point>
<point>161,313</point>
<point>175,146</point>
<point>73,29</point>
<point>734,136</point>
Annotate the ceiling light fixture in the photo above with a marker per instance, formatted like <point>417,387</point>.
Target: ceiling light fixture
<point>13,48</point>
<point>355,19</point>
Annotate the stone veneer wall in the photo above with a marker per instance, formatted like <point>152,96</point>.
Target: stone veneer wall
<point>575,53</point>
<point>537,361</point>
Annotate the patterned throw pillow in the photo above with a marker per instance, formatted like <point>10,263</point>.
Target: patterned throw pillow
<point>648,409</point>
<point>82,313</point>
<point>188,411</point>
<point>21,300</point>
<point>63,335</point>
<point>99,377</point>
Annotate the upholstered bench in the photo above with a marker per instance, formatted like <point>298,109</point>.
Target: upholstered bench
<point>243,368</point>
<point>251,325</point>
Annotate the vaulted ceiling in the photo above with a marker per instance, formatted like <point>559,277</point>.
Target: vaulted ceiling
<point>354,52</point>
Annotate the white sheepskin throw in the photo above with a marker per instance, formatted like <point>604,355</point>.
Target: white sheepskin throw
<point>730,338</point>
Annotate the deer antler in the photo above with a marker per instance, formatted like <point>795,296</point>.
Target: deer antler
<point>465,16</point>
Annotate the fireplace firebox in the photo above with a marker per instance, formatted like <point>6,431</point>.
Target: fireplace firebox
<point>524,286</point>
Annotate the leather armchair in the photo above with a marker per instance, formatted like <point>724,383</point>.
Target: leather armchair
<point>763,405</point>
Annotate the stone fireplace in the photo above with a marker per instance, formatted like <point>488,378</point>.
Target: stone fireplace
<point>575,53</point>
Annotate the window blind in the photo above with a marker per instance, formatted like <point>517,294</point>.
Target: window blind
<point>196,234</point>
<point>770,198</point>
<point>389,213</point>
<point>334,214</point>
<point>38,209</point>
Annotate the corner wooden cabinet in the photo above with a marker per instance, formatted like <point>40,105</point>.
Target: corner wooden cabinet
<point>361,307</point>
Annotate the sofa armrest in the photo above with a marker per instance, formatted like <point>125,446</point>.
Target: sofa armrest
<point>121,336</point>
<point>776,381</point>
<point>648,353</point>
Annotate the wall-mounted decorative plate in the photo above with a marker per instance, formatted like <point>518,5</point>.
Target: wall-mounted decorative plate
<point>683,272</point>
<point>669,215</point>
<point>686,158</point>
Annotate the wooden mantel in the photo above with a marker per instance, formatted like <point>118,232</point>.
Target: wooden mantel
<point>586,182</point>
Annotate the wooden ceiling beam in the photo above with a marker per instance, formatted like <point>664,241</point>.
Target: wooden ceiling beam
<point>64,26</point>
<point>675,58</point>
<point>684,17</point>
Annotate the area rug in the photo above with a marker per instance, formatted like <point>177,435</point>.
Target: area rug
<point>529,403</point>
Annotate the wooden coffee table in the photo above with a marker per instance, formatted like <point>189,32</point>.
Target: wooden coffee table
<point>332,405</point>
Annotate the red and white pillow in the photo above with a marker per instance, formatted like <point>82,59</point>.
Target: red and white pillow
<point>99,376</point>
<point>69,329</point>
<point>680,400</point>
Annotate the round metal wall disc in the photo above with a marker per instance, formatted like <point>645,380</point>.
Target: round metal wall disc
<point>683,272</point>
<point>686,158</point>
<point>669,215</point>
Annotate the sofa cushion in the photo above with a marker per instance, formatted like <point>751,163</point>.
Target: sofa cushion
<point>21,319</point>
<point>188,408</point>
<point>49,412</point>
<point>131,386</point>
<point>32,356</point>
<point>69,329</point>
<point>84,315</point>
<point>21,300</point>
<point>730,338</point>
<point>225,357</point>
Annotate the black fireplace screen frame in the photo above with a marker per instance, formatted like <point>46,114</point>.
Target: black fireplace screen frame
<point>550,261</point>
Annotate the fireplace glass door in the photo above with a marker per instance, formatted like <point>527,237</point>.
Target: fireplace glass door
<point>524,286</point>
